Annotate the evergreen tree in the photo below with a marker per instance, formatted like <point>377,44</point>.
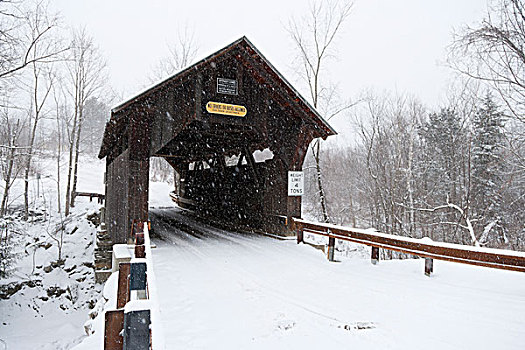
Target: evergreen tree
<point>445,145</point>
<point>487,171</point>
<point>444,136</point>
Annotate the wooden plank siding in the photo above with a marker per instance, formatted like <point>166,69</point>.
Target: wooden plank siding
<point>170,120</point>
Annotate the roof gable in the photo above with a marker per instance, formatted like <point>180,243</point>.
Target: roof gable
<point>247,55</point>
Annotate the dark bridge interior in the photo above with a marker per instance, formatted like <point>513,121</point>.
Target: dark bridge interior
<point>207,121</point>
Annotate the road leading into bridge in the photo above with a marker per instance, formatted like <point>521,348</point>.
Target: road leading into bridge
<point>224,290</point>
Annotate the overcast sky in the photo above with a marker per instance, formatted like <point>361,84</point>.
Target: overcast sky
<point>385,45</point>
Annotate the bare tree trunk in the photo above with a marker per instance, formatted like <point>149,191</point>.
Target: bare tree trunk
<point>86,67</point>
<point>410,189</point>
<point>77,151</point>
<point>322,26</point>
<point>8,175</point>
<point>315,151</point>
<point>28,162</point>
<point>39,26</point>
<point>7,187</point>
<point>70,168</point>
<point>59,146</point>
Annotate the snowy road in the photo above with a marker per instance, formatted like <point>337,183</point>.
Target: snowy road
<point>222,290</point>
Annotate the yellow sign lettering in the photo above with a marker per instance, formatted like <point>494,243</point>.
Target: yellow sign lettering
<point>226,109</point>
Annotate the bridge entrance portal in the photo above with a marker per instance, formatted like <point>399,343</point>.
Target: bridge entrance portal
<point>230,125</point>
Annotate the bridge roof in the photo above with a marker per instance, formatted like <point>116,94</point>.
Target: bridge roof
<point>267,73</point>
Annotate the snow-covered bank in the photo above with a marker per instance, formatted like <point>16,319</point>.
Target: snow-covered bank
<point>52,305</point>
<point>222,290</point>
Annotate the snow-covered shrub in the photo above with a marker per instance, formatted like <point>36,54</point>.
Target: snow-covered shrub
<point>7,253</point>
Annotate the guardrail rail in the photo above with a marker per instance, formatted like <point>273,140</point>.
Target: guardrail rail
<point>134,323</point>
<point>425,247</point>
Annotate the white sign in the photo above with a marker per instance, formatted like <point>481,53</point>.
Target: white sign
<point>295,183</point>
<point>227,86</point>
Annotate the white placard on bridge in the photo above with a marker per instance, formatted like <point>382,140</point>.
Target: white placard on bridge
<point>295,183</point>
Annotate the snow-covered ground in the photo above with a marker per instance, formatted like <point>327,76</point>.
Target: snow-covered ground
<point>49,311</point>
<point>222,290</point>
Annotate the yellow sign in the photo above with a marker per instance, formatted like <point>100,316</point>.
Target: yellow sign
<point>226,109</point>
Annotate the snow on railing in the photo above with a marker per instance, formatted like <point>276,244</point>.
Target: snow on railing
<point>134,324</point>
<point>425,247</point>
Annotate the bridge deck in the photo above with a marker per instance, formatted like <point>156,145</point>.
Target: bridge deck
<point>223,290</point>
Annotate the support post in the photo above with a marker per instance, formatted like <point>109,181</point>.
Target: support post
<point>140,248</point>
<point>331,248</point>
<point>137,330</point>
<point>138,280</point>
<point>137,226</point>
<point>300,233</point>
<point>140,251</point>
<point>114,323</point>
<point>375,255</point>
<point>139,142</point>
<point>137,274</point>
<point>103,218</point>
<point>123,284</point>
<point>139,238</point>
<point>429,266</point>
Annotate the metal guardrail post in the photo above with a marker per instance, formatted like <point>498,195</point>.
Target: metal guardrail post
<point>137,279</point>
<point>137,330</point>
<point>130,326</point>
<point>137,276</point>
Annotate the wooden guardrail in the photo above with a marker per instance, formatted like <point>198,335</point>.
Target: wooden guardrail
<point>100,197</point>
<point>133,324</point>
<point>426,248</point>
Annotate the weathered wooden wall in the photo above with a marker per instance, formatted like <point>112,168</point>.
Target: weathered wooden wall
<point>139,153</point>
<point>117,185</point>
<point>170,120</point>
<point>127,179</point>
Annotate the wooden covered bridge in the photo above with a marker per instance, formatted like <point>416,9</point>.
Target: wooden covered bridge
<point>207,121</point>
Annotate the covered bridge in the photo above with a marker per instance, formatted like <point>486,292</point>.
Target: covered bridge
<point>207,121</point>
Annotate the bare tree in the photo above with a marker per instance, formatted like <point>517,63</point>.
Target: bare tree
<point>18,44</point>
<point>418,179</point>
<point>39,22</point>
<point>388,129</point>
<point>11,152</point>
<point>86,69</point>
<point>61,118</point>
<point>314,37</point>
<point>182,52</point>
<point>494,52</point>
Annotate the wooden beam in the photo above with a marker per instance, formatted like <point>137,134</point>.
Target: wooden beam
<point>113,326</point>
<point>375,255</point>
<point>123,284</point>
<point>429,266</point>
<point>494,258</point>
